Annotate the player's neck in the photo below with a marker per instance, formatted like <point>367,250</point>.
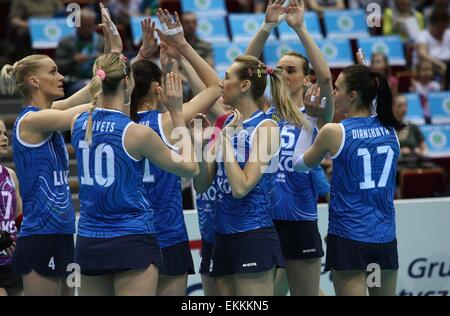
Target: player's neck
<point>247,107</point>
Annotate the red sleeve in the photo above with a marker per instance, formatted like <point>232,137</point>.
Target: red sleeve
<point>219,125</point>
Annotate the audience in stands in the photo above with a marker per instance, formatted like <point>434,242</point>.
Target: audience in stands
<point>75,54</point>
<point>404,20</point>
<point>323,5</point>
<point>203,48</point>
<point>437,5</point>
<point>21,11</point>
<point>423,83</point>
<point>411,138</point>
<point>433,44</point>
<point>256,6</point>
<point>149,7</point>
<point>363,4</point>
<point>380,63</point>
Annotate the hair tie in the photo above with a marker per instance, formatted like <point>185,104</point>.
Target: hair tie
<point>269,71</point>
<point>250,73</point>
<point>259,73</point>
<point>101,74</point>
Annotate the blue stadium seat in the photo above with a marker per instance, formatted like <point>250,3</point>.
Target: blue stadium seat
<point>338,52</point>
<point>345,24</point>
<point>273,51</point>
<point>415,112</point>
<point>213,29</point>
<point>46,33</point>
<point>205,7</point>
<point>391,46</point>
<point>437,138</point>
<point>225,53</point>
<point>440,107</point>
<point>245,26</point>
<point>311,23</point>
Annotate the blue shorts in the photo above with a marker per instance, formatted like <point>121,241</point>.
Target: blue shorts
<point>206,254</point>
<point>9,279</point>
<point>97,256</point>
<point>48,255</point>
<point>252,251</point>
<point>299,240</point>
<point>177,260</point>
<point>345,254</point>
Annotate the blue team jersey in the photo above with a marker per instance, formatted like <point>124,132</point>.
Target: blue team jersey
<point>252,211</point>
<point>293,196</point>
<point>163,191</point>
<point>43,173</point>
<point>363,184</point>
<point>112,197</point>
<point>205,210</point>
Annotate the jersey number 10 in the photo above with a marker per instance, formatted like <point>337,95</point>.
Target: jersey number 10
<point>367,162</point>
<point>100,151</point>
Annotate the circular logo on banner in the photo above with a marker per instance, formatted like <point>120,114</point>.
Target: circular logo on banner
<point>205,27</point>
<point>380,47</point>
<point>202,4</point>
<point>345,23</point>
<point>232,53</point>
<point>283,50</point>
<point>52,31</point>
<point>330,51</point>
<point>446,105</point>
<point>438,139</point>
<point>251,26</point>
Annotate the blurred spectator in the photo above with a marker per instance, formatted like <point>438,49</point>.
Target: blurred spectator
<point>438,5</point>
<point>257,6</point>
<point>203,48</point>
<point>322,5</point>
<point>411,138</point>
<point>403,19</point>
<point>21,11</point>
<point>363,4</point>
<point>75,54</point>
<point>433,44</point>
<point>149,7</point>
<point>423,82</point>
<point>122,10</point>
<point>380,63</point>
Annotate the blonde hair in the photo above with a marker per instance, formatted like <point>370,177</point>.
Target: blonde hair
<point>108,71</point>
<point>13,77</point>
<point>254,70</point>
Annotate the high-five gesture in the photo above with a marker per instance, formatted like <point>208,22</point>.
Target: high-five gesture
<point>149,42</point>
<point>172,31</point>
<point>295,14</point>
<point>173,93</point>
<point>113,42</point>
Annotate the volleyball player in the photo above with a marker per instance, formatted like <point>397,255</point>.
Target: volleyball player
<point>294,195</point>
<point>365,151</point>
<point>10,209</point>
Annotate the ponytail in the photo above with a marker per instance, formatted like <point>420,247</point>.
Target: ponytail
<point>284,105</point>
<point>13,77</point>
<point>370,85</point>
<point>256,72</point>
<point>384,103</point>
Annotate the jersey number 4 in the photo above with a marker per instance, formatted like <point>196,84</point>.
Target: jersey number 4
<point>367,162</point>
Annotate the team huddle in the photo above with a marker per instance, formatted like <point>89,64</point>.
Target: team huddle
<point>257,176</point>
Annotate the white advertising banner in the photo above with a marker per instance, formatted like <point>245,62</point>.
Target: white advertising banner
<point>423,235</point>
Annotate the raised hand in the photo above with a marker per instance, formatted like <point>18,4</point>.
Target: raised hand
<point>172,96</point>
<point>360,57</point>
<point>166,54</point>
<point>113,42</point>
<point>198,136</point>
<point>313,104</point>
<point>172,32</point>
<point>295,14</point>
<point>274,10</point>
<point>149,42</point>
